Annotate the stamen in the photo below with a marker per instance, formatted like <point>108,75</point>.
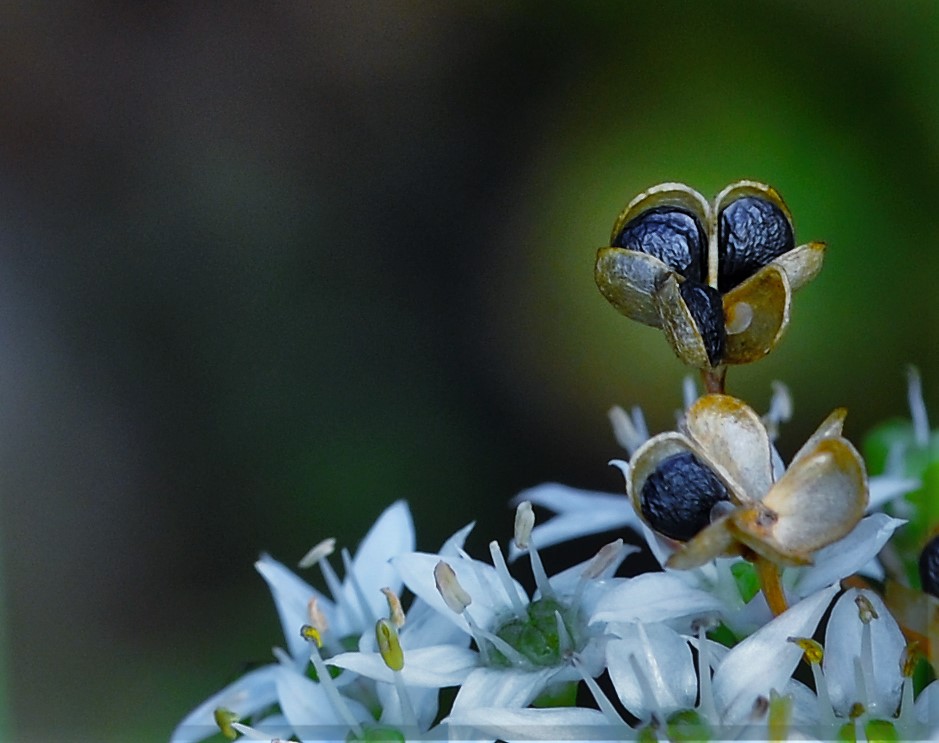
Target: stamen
<point>335,588</point>
<point>502,571</point>
<point>813,653</point>
<point>449,588</point>
<point>705,693</point>
<point>389,647</point>
<point>908,660</point>
<point>524,523</point>
<point>604,704</point>
<point>780,715</point>
<point>224,718</point>
<point>914,393</point>
<point>865,664</point>
<point>318,552</point>
<point>365,608</point>
<point>650,702</point>
<point>395,612</point>
<point>565,641</point>
<point>327,683</point>
<point>316,616</point>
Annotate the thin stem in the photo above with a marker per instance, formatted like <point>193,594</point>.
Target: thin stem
<point>713,379</point>
<point>770,584</point>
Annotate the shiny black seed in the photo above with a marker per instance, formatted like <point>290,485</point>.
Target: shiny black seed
<point>929,567</point>
<point>706,308</point>
<point>672,235</point>
<point>751,232</point>
<point>677,498</point>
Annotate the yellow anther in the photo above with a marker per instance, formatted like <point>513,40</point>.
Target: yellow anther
<point>388,645</point>
<point>311,634</point>
<point>224,719</point>
<point>395,612</point>
<point>857,709</point>
<point>865,609</point>
<point>811,650</point>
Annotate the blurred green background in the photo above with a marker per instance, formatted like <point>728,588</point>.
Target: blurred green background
<point>266,268</point>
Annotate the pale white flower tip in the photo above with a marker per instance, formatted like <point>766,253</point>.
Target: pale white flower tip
<point>914,386</point>
<point>621,465</point>
<point>453,594</point>
<point>318,552</point>
<point>524,523</point>
<point>607,555</point>
<point>629,431</point>
<point>253,733</point>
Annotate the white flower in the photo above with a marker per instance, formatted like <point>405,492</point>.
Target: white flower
<point>357,602</point>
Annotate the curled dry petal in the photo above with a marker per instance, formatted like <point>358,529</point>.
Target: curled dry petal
<point>816,502</point>
<point>628,279</point>
<point>764,300</point>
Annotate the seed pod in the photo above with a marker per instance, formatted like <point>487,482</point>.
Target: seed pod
<point>673,235</point>
<point>677,497</point>
<point>929,567</point>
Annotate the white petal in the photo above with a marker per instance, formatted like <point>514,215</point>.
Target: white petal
<point>248,695</point>
<point>654,597</point>
<point>391,535</point>
<point>885,488</point>
<point>843,644</point>
<point>926,710</point>
<point>291,597</point>
<point>477,578</point>
<point>309,710</point>
<point>551,724</point>
<point>847,555</point>
<point>765,660</point>
<point>664,660</point>
<point>453,545</point>
<point>500,687</point>
<point>431,667</point>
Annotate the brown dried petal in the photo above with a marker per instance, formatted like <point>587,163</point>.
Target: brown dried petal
<point>715,540</point>
<point>802,264</point>
<point>819,499</point>
<point>735,441</point>
<point>628,279</point>
<point>827,429</point>
<point>763,300</point>
<point>679,325</point>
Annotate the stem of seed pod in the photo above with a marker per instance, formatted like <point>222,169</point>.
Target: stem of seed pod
<point>768,573</point>
<point>713,379</point>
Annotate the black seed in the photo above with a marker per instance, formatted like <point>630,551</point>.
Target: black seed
<point>677,498</point>
<point>672,235</point>
<point>929,567</point>
<point>750,234</point>
<point>706,308</point>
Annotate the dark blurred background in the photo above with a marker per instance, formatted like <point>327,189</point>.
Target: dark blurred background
<point>266,268</point>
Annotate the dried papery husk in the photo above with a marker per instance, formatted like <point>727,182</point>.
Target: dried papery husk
<point>802,264</point>
<point>767,295</point>
<point>819,500</point>
<point>627,278</point>
<point>715,540</point>
<point>664,194</point>
<point>735,441</point>
<point>828,429</point>
<point>679,326</point>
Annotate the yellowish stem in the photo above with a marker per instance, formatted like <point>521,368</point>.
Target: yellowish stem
<point>713,379</point>
<point>768,573</point>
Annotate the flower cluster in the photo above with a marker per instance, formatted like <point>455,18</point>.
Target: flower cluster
<point>794,601</point>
